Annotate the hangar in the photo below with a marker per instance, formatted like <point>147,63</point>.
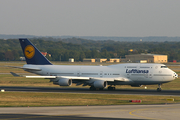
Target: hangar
<point>147,58</point>
<point>101,60</point>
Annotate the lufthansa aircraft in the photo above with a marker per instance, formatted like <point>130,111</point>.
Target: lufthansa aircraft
<point>97,77</point>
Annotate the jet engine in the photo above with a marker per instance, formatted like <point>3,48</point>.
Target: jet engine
<point>65,82</point>
<point>100,84</point>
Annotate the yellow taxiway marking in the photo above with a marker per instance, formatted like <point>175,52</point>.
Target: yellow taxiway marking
<point>140,110</point>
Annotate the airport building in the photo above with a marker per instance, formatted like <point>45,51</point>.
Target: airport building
<point>136,58</point>
<point>147,58</point>
<point>71,59</point>
<point>89,60</point>
<point>101,60</point>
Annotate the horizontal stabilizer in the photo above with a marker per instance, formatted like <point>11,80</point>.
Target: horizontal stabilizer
<point>35,69</point>
<point>15,75</point>
<point>14,66</point>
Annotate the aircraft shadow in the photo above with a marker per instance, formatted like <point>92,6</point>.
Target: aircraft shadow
<point>86,90</point>
<point>46,117</point>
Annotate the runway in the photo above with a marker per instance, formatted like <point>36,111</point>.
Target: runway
<point>86,90</point>
<point>116,112</point>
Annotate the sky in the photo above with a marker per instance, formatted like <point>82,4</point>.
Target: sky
<point>121,18</point>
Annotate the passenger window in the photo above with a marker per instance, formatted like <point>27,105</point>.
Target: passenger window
<point>163,66</point>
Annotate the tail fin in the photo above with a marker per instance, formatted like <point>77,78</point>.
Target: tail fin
<point>32,54</point>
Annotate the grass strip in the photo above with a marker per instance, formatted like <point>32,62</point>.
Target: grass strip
<point>24,99</point>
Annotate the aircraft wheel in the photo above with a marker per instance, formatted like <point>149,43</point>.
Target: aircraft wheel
<point>92,88</point>
<point>101,88</point>
<point>111,88</point>
<point>159,89</point>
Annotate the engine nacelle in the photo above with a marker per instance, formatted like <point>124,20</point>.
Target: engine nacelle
<point>100,84</point>
<point>65,82</point>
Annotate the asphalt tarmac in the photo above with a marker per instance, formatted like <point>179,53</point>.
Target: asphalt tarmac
<point>86,90</point>
<point>115,112</point>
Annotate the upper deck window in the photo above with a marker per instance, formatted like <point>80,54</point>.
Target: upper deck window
<point>131,67</point>
<point>164,67</point>
<point>144,67</point>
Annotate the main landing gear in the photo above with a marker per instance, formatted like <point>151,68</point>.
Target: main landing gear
<point>93,88</point>
<point>111,88</point>
<point>159,88</point>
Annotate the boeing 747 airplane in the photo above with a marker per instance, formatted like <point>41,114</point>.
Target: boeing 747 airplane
<point>97,77</point>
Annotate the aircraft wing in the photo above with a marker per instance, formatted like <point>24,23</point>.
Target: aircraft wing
<point>47,77</point>
<point>35,69</point>
<point>53,77</point>
<point>84,80</point>
<point>120,79</point>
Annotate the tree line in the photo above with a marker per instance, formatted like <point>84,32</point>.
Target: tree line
<point>63,49</point>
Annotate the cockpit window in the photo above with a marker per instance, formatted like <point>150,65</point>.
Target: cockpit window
<point>163,66</point>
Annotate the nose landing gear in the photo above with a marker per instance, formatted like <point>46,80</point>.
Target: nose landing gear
<point>159,88</point>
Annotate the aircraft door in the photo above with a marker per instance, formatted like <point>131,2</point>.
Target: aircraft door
<point>151,73</point>
<point>78,73</point>
<point>142,76</point>
<point>128,75</point>
<point>101,74</point>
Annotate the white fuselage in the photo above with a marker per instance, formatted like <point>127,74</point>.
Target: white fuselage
<point>131,73</point>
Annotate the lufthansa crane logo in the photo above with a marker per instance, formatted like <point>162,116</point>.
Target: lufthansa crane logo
<point>29,51</point>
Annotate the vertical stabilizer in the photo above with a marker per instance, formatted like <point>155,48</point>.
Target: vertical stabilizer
<point>32,54</point>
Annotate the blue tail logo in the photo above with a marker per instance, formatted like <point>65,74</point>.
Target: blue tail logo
<point>32,54</point>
